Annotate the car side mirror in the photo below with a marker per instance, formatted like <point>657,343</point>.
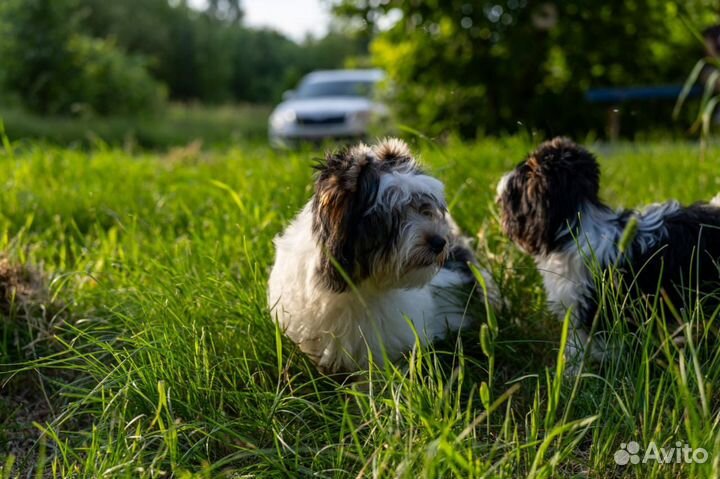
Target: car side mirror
<point>288,94</point>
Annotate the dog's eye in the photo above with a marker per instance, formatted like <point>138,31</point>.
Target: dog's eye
<point>427,211</point>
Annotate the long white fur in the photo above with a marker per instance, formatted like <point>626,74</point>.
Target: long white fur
<point>341,330</point>
<point>396,188</point>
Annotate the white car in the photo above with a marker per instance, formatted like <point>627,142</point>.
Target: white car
<point>334,104</point>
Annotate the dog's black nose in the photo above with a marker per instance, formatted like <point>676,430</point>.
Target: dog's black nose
<point>436,243</point>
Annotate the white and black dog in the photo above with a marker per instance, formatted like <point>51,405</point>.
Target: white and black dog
<point>550,208</point>
<point>371,257</point>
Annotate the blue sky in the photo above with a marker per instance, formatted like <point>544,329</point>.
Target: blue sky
<point>294,18</point>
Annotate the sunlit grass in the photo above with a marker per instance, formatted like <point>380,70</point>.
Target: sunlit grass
<point>167,361</point>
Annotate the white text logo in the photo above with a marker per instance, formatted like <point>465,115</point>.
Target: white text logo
<point>682,453</point>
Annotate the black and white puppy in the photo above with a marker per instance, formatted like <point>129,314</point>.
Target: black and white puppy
<point>373,255</point>
<point>550,208</point>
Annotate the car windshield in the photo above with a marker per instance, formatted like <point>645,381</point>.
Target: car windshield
<point>318,89</point>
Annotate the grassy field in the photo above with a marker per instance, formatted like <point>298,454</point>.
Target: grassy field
<point>139,344</point>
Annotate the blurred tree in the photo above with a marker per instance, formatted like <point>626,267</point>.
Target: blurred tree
<point>55,69</point>
<point>359,17</point>
<point>36,57</point>
<point>107,81</point>
<point>188,49</point>
<point>225,10</point>
<point>471,66</point>
<point>265,63</point>
<point>53,51</point>
<point>261,62</point>
<point>209,55</point>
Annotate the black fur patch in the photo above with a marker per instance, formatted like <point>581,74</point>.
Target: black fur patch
<point>345,188</point>
<point>685,261</point>
<point>459,259</point>
<point>545,192</point>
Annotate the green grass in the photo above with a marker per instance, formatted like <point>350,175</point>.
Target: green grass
<point>176,125</point>
<point>154,354</point>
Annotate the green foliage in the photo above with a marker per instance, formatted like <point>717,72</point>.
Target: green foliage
<point>206,56</point>
<point>226,10</point>
<point>107,57</point>
<point>262,61</point>
<point>488,65</point>
<point>188,50</point>
<point>34,48</point>
<point>108,81</point>
<point>56,70</point>
<point>265,63</point>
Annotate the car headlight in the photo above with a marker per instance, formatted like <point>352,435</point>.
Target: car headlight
<point>282,118</point>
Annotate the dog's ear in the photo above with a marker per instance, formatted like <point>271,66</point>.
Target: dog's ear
<point>394,153</point>
<point>345,188</point>
<point>547,192</point>
<point>524,215</point>
<point>571,177</point>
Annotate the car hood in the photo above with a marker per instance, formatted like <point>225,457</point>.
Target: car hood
<point>302,106</point>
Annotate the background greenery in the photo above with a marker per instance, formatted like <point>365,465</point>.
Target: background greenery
<point>490,66</point>
<point>461,67</point>
<point>127,56</point>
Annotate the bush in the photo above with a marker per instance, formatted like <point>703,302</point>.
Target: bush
<point>53,69</point>
<point>489,66</point>
<point>110,82</point>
